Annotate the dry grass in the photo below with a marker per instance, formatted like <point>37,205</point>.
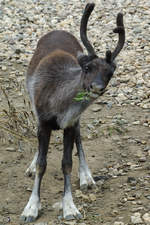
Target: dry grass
<point>16,123</point>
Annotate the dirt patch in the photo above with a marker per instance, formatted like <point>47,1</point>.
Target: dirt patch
<point>117,151</point>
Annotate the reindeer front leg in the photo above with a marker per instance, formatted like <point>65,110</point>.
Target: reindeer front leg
<point>30,212</point>
<point>86,179</point>
<point>69,209</point>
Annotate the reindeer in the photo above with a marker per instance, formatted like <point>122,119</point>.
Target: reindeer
<point>58,73</point>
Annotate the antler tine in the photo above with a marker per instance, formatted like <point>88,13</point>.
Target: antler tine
<point>121,31</point>
<point>83,28</point>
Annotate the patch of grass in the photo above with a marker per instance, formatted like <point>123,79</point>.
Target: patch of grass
<point>16,123</point>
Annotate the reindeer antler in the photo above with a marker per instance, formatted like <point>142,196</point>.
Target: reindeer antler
<point>121,31</point>
<point>83,28</point>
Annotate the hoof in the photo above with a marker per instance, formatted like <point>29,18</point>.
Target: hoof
<point>30,172</point>
<point>73,217</point>
<point>28,219</point>
<point>86,186</point>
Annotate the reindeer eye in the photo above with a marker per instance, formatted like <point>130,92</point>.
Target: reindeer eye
<point>88,68</point>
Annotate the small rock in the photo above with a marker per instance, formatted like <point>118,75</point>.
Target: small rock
<point>130,198</point>
<point>79,194</point>
<point>97,109</point>
<point>114,213</point>
<point>137,30</point>
<point>136,218</point>
<point>146,149</point>
<point>146,218</point>
<point>147,58</point>
<point>148,197</point>
<point>133,210</point>
<point>11,149</point>
<point>4,68</point>
<point>142,159</point>
<point>136,122</point>
<point>139,153</point>
<point>139,202</point>
<point>29,189</point>
<point>132,181</point>
<point>41,223</point>
<point>118,223</point>
<point>121,97</point>
<point>57,206</point>
<point>123,200</point>
<point>70,222</point>
<point>92,197</point>
<point>18,51</point>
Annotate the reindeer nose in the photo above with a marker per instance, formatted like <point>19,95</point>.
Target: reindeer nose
<point>97,87</point>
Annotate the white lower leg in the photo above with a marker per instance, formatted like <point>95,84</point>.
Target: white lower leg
<point>85,175</point>
<point>69,209</point>
<point>30,212</point>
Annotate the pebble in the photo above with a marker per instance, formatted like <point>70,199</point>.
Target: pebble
<point>136,122</point>
<point>136,218</point>
<point>41,223</point>
<point>4,68</point>
<point>132,181</point>
<point>142,159</point>
<point>96,109</point>
<point>146,218</point>
<point>11,149</point>
<point>70,222</point>
<point>137,209</point>
<point>118,223</point>
<point>57,206</point>
<point>90,197</point>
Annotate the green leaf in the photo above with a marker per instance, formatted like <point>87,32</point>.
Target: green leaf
<point>83,95</point>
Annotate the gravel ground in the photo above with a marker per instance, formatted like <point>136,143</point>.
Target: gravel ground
<point>22,23</point>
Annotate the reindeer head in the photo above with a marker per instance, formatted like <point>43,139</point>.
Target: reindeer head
<point>98,71</point>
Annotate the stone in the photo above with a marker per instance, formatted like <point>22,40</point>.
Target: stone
<point>96,109</point>
<point>146,218</point>
<point>11,149</point>
<point>136,123</point>
<point>42,223</point>
<point>57,206</point>
<point>4,68</point>
<point>70,223</point>
<point>118,223</point>
<point>132,181</point>
<point>92,197</point>
<point>136,218</point>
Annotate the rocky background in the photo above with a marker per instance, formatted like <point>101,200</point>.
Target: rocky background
<point>115,129</point>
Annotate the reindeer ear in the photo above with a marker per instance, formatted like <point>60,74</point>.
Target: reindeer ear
<point>84,61</point>
<point>108,56</point>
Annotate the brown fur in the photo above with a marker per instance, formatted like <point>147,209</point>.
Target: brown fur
<point>58,39</point>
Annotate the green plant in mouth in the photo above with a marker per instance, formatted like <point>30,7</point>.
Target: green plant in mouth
<point>82,95</point>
